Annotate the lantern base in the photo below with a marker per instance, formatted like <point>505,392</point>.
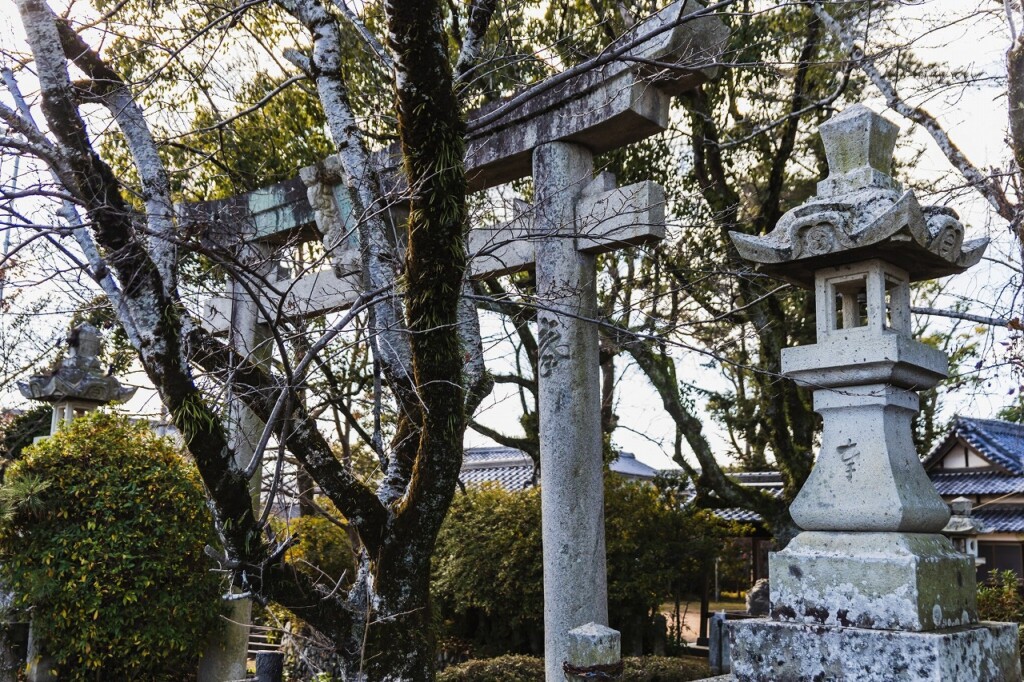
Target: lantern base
<point>890,581</point>
<point>769,651</point>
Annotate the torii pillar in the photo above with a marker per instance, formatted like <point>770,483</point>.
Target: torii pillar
<point>572,490</point>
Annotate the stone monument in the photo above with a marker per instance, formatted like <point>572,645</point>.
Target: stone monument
<point>78,384</point>
<point>870,590</point>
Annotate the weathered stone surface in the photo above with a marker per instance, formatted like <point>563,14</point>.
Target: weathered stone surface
<point>40,667</point>
<point>868,476</point>
<point>317,293</point>
<point>604,108</point>
<point>895,581</point>
<point>276,214</point>
<point>857,356</point>
<point>765,651</point>
<point>860,212</point>
<point>870,592</point>
<point>759,598</point>
<point>719,658</point>
<point>572,495</point>
<point>608,218</point>
<point>594,644</point>
<point>224,657</point>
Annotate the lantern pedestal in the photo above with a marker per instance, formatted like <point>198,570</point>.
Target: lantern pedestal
<point>772,652</point>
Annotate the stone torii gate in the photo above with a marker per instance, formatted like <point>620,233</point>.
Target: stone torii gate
<point>552,136</point>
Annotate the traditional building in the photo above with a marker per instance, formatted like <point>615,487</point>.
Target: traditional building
<point>514,470</point>
<point>982,460</point>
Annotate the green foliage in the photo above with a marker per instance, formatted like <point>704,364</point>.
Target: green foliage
<point>531,669</point>
<point>487,572</point>
<point>324,550</point>
<point>662,669</point>
<point>487,569</point>
<point>656,548</point>
<point>505,668</point>
<point>19,432</point>
<point>103,538</point>
<point>1000,600</point>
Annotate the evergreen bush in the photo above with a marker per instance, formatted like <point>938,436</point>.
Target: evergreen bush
<point>1000,600</point>
<point>102,535</point>
<point>488,571</point>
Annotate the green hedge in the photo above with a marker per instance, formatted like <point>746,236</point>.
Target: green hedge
<point>531,669</point>
<point>102,534</point>
<point>1000,600</point>
<point>487,568</point>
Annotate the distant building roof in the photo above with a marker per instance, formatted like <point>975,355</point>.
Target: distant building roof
<point>1000,518</point>
<point>757,479</point>
<point>1000,442</point>
<point>980,483</point>
<point>738,514</point>
<point>513,469</point>
<point>768,481</point>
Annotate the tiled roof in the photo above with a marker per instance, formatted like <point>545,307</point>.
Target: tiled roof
<point>737,514</point>
<point>508,477</point>
<point>513,469</point>
<point>1000,442</point>
<point>767,481</point>
<point>1000,519</point>
<point>981,483</point>
<point>626,464</point>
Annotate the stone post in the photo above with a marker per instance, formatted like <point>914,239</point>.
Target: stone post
<point>595,652</point>
<point>572,491</point>
<point>226,653</point>
<point>870,591</point>
<point>41,667</point>
<point>269,666</point>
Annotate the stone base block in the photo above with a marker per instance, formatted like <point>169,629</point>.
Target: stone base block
<point>768,651</point>
<point>883,581</point>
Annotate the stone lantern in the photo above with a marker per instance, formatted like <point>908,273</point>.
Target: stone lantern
<point>78,385</point>
<point>870,590</point>
<point>963,529</point>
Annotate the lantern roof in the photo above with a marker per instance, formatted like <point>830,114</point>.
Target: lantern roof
<point>79,376</point>
<point>860,212</point>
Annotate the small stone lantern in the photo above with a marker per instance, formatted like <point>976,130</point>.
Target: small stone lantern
<point>963,529</point>
<point>78,385</point>
<point>871,589</point>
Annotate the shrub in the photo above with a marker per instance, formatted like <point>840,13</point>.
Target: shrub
<point>662,669</point>
<point>487,578</point>
<point>531,669</point>
<point>18,433</point>
<point>1000,599</point>
<point>488,575</point>
<point>324,550</point>
<point>504,668</point>
<point>102,534</point>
